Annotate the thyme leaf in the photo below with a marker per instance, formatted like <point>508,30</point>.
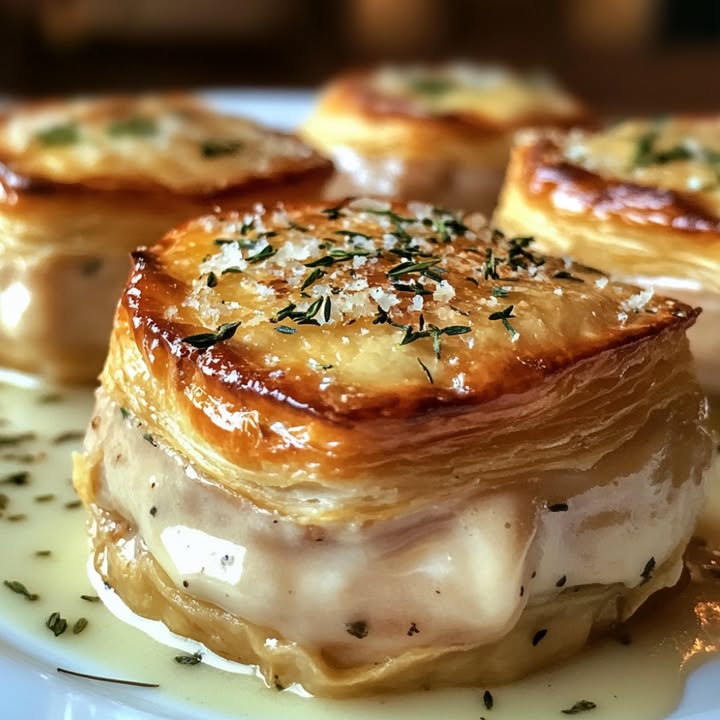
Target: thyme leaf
<point>203,341</point>
<point>17,587</point>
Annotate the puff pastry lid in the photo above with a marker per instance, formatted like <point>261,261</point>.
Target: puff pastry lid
<point>485,98</point>
<point>306,346</point>
<point>168,143</point>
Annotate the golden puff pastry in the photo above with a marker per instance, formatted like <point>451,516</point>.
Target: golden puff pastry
<point>84,182</point>
<point>641,200</point>
<point>372,447</point>
<point>440,133</point>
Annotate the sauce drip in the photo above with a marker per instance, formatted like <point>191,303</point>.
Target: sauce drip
<point>638,672</point>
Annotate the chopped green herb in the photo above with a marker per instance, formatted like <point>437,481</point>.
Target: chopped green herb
<point>538,636</point>
<point>132,683</point>
<point>212,280</point>
<point>137,126</point>
<point>286,330</point>
<point>504,316</point>
<point>80,625</point>
<point>153,510</point>
<point>17,587</point>
<point>90,598</point>
<point>193,659</point>
<point>332,213</point>
<point>561,582</point>
<point>19,517</point>
<point>125,413</point>
<point>580,706</point>
<point>43,553</point>
<point>296,226</point>
<point>315,275</point>
<point>426,371</point>
<point>358,629</point>
<point>218,148</point>
<point>501,292</point>
<point>203,341</point>
<point>644,151</point>
<point>558,507</point>
<point>147,437</point>
<point>47,497</point>
<point>267,252</point>
<point>327,309</point>
<point>407,267</point>
<point>17,478</point>
<point>488,700</point>
<point>16,439</point>
<point>58,135</point>
<point>56,623</point>
<point>72,505</point>
<point>431,86</point>
<point>68,436</point>
<point>648,570</point>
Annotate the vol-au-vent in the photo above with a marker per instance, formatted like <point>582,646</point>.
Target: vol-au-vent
<point>372,447</point>
<point>639,199</point>
<point>83,182</point>
<point>439,132</point>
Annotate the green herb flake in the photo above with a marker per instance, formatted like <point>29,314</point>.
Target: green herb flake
<point>407,267</point>
<point>504,315</point>
<point>332,213</point>
<point>100,678</point>
<point>68,436</point>
<point>357,628</point>
<point>558,507</point>
<point>56,623</point>
<point>426,371</point>
<point>538,636</point>
<point>218,148</point>
<point>501,292</point>
<point>17,478</point>
<point>46,497</point>
<point>314,276</point>
<point>648,570</point>
<point>203,341</point>
<point>4,500</point>
<point>58,135</point>
<point>125,413</point>
<point>80,625</point>
<point>286,330</point>
<point>90,598</point>
<point>431,86</point>
<point>212,280</point>
<point>193,659</point>
<point>267,252</point>
<point>73,505</point>
<point>43,553</point>
<point>136,126</point>
<point>488,700</point>
<point>7,440</point>
<point>17,587</point>
<point>579,707</point>
<point>19,517</point>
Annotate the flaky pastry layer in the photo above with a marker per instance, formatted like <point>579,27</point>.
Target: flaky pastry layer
<point>82,183</point>
<point>437,133</point>
<point>639,200</point>
<point>355,376</point>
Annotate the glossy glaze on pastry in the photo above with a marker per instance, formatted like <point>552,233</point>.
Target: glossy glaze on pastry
<point>440,133</point>
<point>84,182</point>
<point>376,447</point>
<point>640,200</point>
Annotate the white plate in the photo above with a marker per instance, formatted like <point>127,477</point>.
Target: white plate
<point>32,689</point>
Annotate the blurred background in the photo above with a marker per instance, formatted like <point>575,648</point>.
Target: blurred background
<point>622,56</point>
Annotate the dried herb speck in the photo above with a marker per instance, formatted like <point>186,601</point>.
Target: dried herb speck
<point>17,587</point>
<point>488,700</point>
<point>56,623</point>
<point>193,659</point>
<point>538,636</point>
<point>579,707</point>
<point>358,629</point>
